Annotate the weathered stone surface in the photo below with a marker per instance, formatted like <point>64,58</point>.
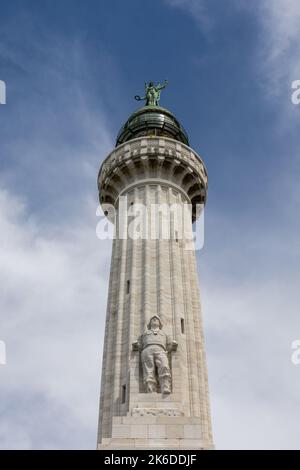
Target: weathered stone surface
<point>157,431</point>
<point>147,277</point>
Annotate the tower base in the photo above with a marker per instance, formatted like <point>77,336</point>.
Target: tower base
<point>155,432</point>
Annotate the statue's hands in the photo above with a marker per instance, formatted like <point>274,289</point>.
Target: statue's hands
<point>135,346</point>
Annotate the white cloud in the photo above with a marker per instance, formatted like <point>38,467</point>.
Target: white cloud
<point>276,58</point>
<point>52,314</point>
<point>280,21</point>
<point>250,294</point>
<point>254,386</point>
<point>53,270</point>
<point>278,54</point>
<point>197,9</point>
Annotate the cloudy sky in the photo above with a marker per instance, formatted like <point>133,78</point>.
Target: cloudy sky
<point>71,69</point>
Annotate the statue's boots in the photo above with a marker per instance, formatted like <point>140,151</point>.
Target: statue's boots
<point>150,386</point>
<point>165,384</point>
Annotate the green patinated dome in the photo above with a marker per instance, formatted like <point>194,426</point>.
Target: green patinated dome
<point>152,121</point>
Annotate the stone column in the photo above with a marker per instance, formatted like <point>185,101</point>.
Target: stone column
<point>148,277</point>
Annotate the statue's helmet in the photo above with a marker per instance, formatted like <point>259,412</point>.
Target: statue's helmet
<point>159,319</point>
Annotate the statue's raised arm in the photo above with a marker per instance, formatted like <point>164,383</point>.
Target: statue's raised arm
<point>161,86</point>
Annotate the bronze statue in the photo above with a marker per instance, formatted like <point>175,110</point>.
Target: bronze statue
<point>154,345</point>
<point>152,93</point>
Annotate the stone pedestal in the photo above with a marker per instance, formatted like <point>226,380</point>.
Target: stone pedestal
<point>159,431</point>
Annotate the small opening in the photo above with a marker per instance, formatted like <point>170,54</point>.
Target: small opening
<point>131,203</point>
<point>123,393</point>
<point>128,287</point>
<point>106,213</point>
<point>182,325</point>
<point>176,236</point>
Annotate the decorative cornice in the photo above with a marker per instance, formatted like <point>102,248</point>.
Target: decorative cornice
<point>155,159</point>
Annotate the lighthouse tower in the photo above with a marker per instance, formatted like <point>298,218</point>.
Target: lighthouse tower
<point>154,390</point>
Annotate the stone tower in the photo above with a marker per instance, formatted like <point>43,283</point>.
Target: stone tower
<point>154,390</point>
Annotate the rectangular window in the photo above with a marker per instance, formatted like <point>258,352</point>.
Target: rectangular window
<point>123,393</point>
<point>182,325</point>
<point>128,287</point>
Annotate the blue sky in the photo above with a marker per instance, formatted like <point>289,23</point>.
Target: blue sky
<point>71,69</point>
